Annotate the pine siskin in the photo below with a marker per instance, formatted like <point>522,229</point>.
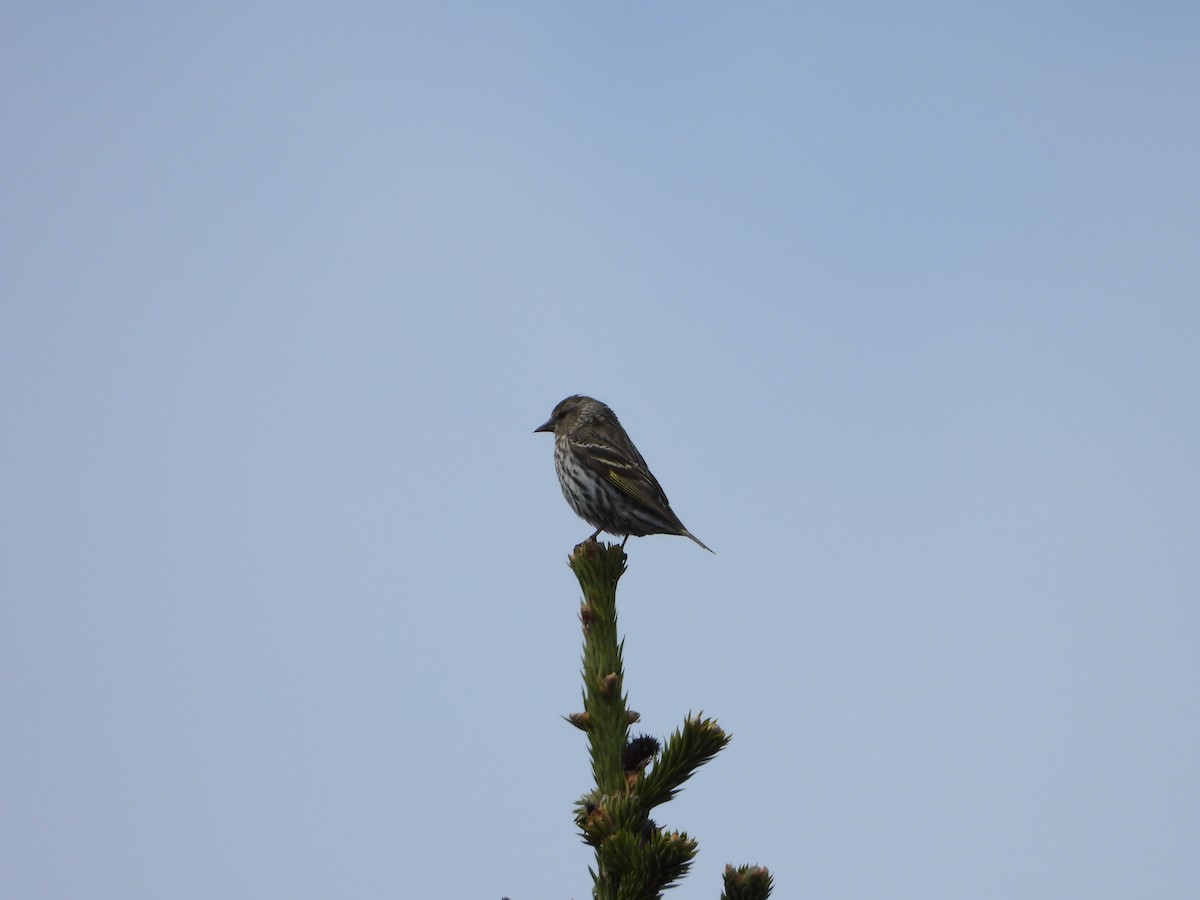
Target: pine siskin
<point>603,476</point>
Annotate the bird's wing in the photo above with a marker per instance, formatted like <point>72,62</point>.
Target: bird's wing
<point>623,468</point>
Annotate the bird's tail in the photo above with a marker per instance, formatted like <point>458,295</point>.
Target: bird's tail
<point>688,534</point>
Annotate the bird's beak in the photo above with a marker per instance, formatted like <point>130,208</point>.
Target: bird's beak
<point>548,426</point>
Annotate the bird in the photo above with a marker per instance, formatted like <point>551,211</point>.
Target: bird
<point>604,477</point>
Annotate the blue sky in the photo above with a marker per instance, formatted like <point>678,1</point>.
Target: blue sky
<point>900,302</point>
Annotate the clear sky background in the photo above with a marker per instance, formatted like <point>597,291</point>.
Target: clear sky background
<point>901,302</point>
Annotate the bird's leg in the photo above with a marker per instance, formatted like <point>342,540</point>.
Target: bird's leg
<point>623,542</point>
<point>595,534</point>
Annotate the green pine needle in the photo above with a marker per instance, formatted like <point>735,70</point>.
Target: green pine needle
<point>747,883</point>
<point>690,747</point>
<point>635,859</point>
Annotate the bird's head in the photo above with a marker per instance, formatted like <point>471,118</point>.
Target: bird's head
<point>576,410</point>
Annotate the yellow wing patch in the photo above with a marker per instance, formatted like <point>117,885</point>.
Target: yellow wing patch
<point>628,486</point>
